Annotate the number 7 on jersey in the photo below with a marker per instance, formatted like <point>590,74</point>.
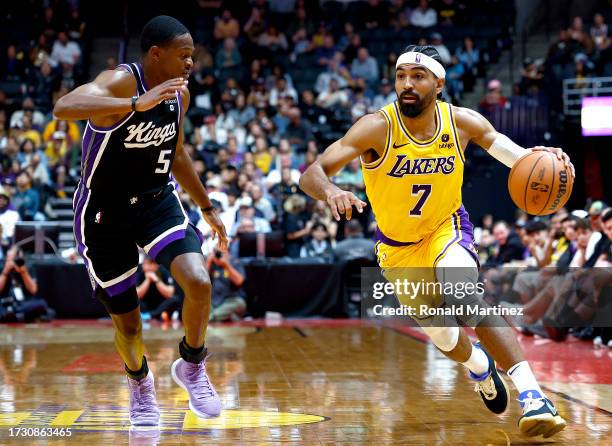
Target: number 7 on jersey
<point>425,191</point>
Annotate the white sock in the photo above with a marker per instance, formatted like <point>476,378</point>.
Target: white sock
<point>478,363</point>
<point>524,380</point>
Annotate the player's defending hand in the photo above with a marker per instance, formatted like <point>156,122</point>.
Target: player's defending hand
<point>560,154</point>
<point>218,229</point>
<point>165,90</point>
<point>342,202</point>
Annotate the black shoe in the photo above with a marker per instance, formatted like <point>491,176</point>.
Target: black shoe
<point>491,386</point>
<point>540,417</point>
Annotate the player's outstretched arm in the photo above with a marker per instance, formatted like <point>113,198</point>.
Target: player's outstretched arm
<point>367,134</point>
<point>185,173</point>
<point>109,95</point>
<point>480,131</point>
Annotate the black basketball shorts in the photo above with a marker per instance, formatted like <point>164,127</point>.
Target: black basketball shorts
<point>108,234</point>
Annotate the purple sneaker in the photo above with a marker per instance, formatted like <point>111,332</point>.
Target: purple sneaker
<point>143,402</point>
<point>203,399</point>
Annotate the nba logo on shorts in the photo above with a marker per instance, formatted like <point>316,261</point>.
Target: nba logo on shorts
<point>98,216</point>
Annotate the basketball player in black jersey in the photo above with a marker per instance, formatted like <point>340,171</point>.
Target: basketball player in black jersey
<point>133,142</point>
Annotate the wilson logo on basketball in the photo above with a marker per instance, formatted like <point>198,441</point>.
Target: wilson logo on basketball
<point>539,187</point>
<point>562,189</point>
<point>147,134</point>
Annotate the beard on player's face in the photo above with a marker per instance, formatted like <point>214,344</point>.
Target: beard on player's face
<point>416,108</point>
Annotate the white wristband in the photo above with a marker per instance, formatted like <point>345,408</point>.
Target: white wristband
<point>506,151</point>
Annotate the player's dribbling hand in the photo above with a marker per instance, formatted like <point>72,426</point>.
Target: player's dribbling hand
<point>560,154</point>
<point>218,229</point>
<point>342,202</point>
<point>165,90</point>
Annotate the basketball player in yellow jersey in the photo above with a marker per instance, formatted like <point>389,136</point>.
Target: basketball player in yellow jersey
<point>412,154</point>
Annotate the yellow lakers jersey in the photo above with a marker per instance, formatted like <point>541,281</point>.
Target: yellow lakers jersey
<point>415,185</point>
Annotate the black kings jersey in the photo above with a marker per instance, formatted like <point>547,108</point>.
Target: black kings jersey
<point>135,155</point>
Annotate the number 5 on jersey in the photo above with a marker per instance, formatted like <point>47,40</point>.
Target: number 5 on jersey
<point>163,161</point>
<point>423,191</point>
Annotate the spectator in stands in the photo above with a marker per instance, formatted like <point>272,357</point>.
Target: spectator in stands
<point>350,53</point>
<point>309,108</point>
<point>360,103</point>
<point>561,51</point>
<point>12,68</point>
<point>454,78</point>
<point>301,44</point>
<point>324,53</point>
<point>273,41</point>
<point>449,12</point>
<point>56,153</point>
<point>285,188</point>
<point>423,16</point>
<point>335,70</point>
<point>297,224</point>
<point>281,89</point>
<point>470,59</point>
<point>228,55</point>
<point>386,95</point>
<point>227,277</point>
<point>531,76</point>
<point>509,246</point>
<point>75,26</point>
<point>226,26</point>
<point>333,97</point>
<point>156,292</point>
<point>73,134</point>
<point>28,131</point>
<point>255,25</point>
<point>298,131</point>
<point>599,32</point>
<point>399,13</point>
<point>65,52</point>
<point>8,217</point>
<point>28,108</point>
<point>365,67</point>
<point>258,96</point>
<point>376,14</point>
<point>354,245</point>
<point>319,244</point>
<point>248,216</point>
<point>493,100</point>
<point>438,44</point>
<point>27,150</point>
<point>18,289</point>
<point>347,34</point>
<point>38,170</point>
<point>26,199</point>
<point>261,203</point>
<point>43,82</point>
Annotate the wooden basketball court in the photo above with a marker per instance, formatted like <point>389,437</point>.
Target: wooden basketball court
<point>303,382</point>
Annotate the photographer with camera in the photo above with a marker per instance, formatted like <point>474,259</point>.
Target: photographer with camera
<point>156,292</point>
<point>18,288</point>
<point>227,277</point>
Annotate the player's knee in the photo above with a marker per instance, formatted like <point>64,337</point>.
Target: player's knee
<point>445,338</point>
<point>128,332</point>
<point>197,285</point>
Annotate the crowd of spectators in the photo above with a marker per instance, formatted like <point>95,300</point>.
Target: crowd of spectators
<point>270,90</point>
<point>557,270</point>
<point>39,155</point>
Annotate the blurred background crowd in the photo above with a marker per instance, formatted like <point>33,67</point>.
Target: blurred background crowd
<point>274,83</point>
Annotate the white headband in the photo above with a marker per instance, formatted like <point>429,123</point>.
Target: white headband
<point>422,59</point>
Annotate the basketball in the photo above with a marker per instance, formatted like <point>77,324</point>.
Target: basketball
<point>539,183</point>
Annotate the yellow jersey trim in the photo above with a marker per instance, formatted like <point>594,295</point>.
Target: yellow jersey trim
<point>454,127</point>
<point>413,139</point>
<point>379,161</point>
